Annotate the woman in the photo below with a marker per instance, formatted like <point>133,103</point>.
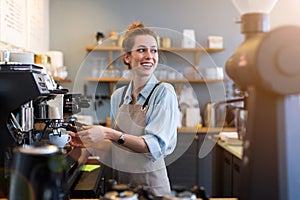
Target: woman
<point>145,118</point>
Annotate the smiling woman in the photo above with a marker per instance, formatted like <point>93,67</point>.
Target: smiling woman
<point>142,59</point>
<point>144,118</point>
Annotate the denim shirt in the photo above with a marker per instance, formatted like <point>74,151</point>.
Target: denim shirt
<point>161,118</point>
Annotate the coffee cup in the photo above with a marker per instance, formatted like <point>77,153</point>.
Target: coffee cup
<point>59,140</point>
<point>76,141</point>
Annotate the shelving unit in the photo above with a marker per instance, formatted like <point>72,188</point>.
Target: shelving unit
<point>195,51</point>
<point>177,82</point>
<point>181,59</point>
<point>175,50</point>
<point>164,80</point>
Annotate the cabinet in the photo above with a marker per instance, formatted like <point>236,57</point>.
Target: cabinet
<point>226,179</point>
<point>218,172</point>
<point>190,170</point>
<point>183,172</point>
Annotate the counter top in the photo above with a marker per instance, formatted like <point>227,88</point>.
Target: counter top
<point>205,129</point>
<point>197,199</point>
<point>236,150</point>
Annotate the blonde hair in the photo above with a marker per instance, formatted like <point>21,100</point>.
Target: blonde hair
<point>135,29</point>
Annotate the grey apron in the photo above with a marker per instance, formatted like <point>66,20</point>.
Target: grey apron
<point>138,168</point>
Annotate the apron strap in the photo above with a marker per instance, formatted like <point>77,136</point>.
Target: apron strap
<point>147,100</point>
<point>123,95</point>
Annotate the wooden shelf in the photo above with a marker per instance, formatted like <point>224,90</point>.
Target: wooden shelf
<point>103,48</point>
<point>112,80</point>
<point>178,82</point>
<point>196,51</point>
<point>173,50</point>
<point>107,80</point>
<point>117,48</point>
<point>61,80</point>
<point>205,129</point>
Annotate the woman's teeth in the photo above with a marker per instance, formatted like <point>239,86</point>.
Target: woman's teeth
<point>147,64</point>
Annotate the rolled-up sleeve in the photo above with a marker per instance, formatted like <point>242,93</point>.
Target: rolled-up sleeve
<point>161,122</point>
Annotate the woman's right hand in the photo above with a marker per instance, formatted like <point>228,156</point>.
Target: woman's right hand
<point>91,135</point>
<point>75,140</point>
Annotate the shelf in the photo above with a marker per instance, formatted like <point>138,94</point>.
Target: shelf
<point>113,80</point>
<point>205,129</point>
<point>179,49</point>
<point>107,80</point>
<point>103,48</point>
<point>61,80</point>
<point>196,51</point>
<point>178,82</point>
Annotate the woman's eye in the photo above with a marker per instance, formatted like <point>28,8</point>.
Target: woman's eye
<point>141,50</point>
<point>154,50</point>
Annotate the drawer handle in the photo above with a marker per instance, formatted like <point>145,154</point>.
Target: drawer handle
<point>227,160</point>
<point>236,167</point>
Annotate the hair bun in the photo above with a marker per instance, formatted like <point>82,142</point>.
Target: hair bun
<point>135,25</point>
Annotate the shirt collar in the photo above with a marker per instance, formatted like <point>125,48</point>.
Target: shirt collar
<point>145,91</point>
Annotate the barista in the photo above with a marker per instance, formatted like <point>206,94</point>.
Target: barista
<point>144,116</point>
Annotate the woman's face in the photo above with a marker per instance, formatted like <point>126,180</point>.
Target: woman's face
<point>143,58</point>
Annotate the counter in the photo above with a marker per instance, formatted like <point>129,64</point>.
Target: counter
<point>197,199</point>
<point>205,129</point>
<point>236,150</point>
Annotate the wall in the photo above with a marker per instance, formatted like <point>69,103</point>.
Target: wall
<point>74,23</point>
<point>24,25</point>
<point>285,12</point>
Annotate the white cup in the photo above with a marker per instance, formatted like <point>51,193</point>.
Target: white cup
<point>59,140</point>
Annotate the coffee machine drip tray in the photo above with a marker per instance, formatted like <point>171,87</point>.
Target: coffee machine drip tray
<point>21,67</point>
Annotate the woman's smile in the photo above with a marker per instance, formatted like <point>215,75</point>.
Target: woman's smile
<point>144,56</point>
<point>147,65</point>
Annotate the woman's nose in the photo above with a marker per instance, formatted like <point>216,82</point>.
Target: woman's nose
<point>148,53</point>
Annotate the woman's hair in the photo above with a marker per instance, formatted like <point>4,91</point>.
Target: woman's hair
<point>135,29</point>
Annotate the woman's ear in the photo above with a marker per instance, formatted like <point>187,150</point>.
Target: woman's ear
<point>126,58</point>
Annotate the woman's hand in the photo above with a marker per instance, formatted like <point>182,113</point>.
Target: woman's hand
<point>91,135</point>
<point>96,136</point>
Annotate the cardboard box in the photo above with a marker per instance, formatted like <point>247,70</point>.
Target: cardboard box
<point>215,42</point>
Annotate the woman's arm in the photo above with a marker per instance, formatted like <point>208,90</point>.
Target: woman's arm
<point>92,136</point>
<point>132,142</point>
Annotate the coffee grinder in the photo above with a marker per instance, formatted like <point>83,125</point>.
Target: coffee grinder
<point>266,65</point>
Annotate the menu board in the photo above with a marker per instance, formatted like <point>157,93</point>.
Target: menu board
<point>13,24</point>
<point>24,23</point>
<point>38,28</point>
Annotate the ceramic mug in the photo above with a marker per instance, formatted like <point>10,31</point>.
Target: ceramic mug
<point>59,140</point>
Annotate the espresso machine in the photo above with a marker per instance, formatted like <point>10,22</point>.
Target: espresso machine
<point>26,100</point>
<point>267,66</point>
